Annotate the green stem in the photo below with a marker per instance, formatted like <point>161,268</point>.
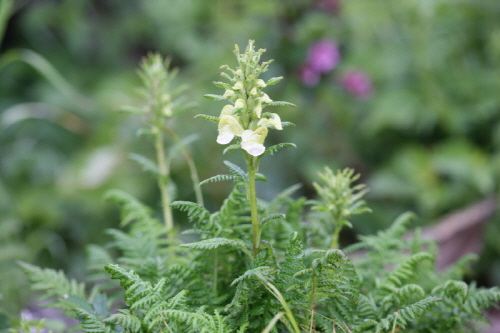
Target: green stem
<point>252,165</point>
<point>192,167</point>
<point>215,275</point>
<point>335,238</point>
<point>163,181</point>
<point>5,13</point>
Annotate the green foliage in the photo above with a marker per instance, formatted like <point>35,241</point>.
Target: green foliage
<point>216,284</point>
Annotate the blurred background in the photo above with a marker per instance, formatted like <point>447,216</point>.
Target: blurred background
<point>405,92</point>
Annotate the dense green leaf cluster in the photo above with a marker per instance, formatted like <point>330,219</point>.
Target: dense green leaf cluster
<point>266,267</point>
<point>384,283</point>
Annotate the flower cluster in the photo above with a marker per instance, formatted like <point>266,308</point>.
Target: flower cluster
<point>243,117</point>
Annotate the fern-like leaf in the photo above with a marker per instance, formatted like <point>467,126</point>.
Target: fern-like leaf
<point>207,117</point>
<point>214,243</point>
<point>273,149</point>
<point>214,97</point>
<point>221,178</point>
<point>196,212</point>
<point>235,170</point>
<point>406,314</point>
<point>146,164</point>
<point>281,103</point>
<point>54,283</point>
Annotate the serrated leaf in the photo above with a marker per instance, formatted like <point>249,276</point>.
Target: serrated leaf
<point>261,177</point>
<point>145,163</point>
<point>226,76</point>
<point>231,148</point>
<point>222,85</point>
<point>281,103</point>
<point>272,217</point>
<point>207,117</point>
<point>214,97</point>
<point>235,170</point>
<point>221,178</point>
<point>214,243</point>
<point>273,149</point>
<point>274,80</point>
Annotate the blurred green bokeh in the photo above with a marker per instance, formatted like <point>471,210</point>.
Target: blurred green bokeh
<point>426,138</point>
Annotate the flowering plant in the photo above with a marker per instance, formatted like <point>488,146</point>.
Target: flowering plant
<point>296,280</point>
<point>243,117</point>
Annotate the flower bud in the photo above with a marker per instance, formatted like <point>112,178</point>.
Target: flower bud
<point>238,86</point>
<point>253,92</point>
<point>265,98</point>
<point>229,94</point>
<point>240,104</point>
<point>257,110</point>
<point>274,121</point>
<point>227,110</point>
<point>259,83</point>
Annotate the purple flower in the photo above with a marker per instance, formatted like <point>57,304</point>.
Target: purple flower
<point>323,56</point>
<point>309,76</point>
<point>331,6</point>
<point>357,83</point>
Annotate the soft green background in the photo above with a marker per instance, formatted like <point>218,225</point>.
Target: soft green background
<point>428,140</point>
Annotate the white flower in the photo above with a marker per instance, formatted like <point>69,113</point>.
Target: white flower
<point>274,121</point>
<point>253,141</point>
<point>229,127</point>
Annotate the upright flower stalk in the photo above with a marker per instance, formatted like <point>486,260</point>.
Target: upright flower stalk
<point>244,120</point>
<point>163,103</point>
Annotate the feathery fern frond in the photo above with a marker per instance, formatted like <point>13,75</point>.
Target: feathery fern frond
<point>195,212</point>
<point>91,324</point>
<point>125,319</point>
<point>405,271</point>
<point>406,314</point>
<point>53,283</point>
<point>272,217</point>
<point>214,243</point>
<point>132,209</point>
<point>236,170</point>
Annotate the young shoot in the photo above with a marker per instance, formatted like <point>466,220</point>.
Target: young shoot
<point>163,102</point>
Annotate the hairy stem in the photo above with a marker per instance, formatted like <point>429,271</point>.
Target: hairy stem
<point>192,167</point>
<point>163,181</point>
<point>335,237</point>
<point>252,199</point>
